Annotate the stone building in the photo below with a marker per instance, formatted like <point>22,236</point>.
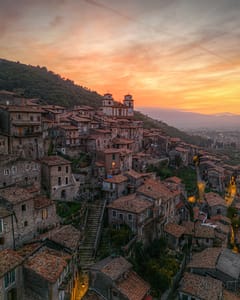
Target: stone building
<point>20,171</point>
<point>135,212</point>
<point>57,178</point>
<point>115,186</point>
<point>3,144</point>
<point>22,125</point>
<point>51,265</point>
<point>45,214</point>
<point>11,275</point>
<point>113,278</point>
<point>19,201</point>
<point>117,109</point>
<point>6,229</point>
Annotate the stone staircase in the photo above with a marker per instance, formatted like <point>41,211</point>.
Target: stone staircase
<point>88,248</point>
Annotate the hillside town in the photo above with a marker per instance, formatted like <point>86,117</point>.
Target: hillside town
<point>105,162</point>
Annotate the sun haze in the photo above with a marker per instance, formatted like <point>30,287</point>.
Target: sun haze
<point>167,53</point>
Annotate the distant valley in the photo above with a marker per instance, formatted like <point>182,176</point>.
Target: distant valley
<point>193,121</point>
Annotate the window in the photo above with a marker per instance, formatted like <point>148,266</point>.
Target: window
<point>25,223</point>
<point>130,217</point>
<point>59,180</point>
<point>19,117</point>
<point>38,118</point>
<point>63,194</point>
<point>114,214</point>
<point>31,118</point>
<point>59,169</point>
<point>1,225</point>
<point>9,278</point>
<point>44,214</point>
<point>66,180</point>
<point>66,169</point>
<point>114,293</point>
<point>24,207</point>
<point>14,170</point>
<point>113,156</point>
<point>6,172</point>
<point>121,216</point>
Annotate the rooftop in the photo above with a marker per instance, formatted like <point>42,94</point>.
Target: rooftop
<point>15,194</point>
<point>24,108</point>
<point>202,231</point>
<point>155,189</point>
<point>174,229</point>
<point>131,203</point>
<point>9,260</point>
<point>206,259</point>
<point>229,263</point>
<point>214,199</point>
<point>113,267</point>
<point>134,287</point>
<point>201,287</point>
<point>55,160</point>
<point>137,175</point>
<point>67,236</point>
<point>116,179</point>
<point>48,266</point>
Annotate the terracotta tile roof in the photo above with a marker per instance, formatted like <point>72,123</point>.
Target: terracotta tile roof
<point>55,160</point>
<point>68,127</point>
<point>131,203</point>
<point>227,295</point>
<point>9,260</point>
<point>180,149</point>
<point>29,249</point>
<point>201,287</point>
<point>112,150</point>
<point>114,267</point>
<point>137,175</point>
<point>221,218</point>
<point>117,179</point>
<point>174,229</point>
<point>222,228</point>
<point>133,286</point>
<point>155,189</point>
<point>174,179</point>
<point>42,201</point>
<point>122,141</point>
<point>214,199</point>
<point>189,227</point>
<point>67,235</point>
<point>48,266</point>
<point>206,259</point>
<point>25,108</point>
<point>202,231</point>
<point>16,195</point>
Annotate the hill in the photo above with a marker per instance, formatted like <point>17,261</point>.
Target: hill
<point>37,82</point>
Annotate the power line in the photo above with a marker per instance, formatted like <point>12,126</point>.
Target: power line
<point>132,19</point>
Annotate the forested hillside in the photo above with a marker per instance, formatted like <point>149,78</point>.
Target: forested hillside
<point>37,82</point>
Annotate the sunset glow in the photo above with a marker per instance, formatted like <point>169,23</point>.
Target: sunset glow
<point>172,54</point>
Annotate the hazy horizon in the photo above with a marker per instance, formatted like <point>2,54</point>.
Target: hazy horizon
<point>191,120</point>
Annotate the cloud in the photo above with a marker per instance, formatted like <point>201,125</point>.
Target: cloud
<point>58,20</point>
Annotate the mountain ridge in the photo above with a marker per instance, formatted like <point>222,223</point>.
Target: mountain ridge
<point>192,120</point>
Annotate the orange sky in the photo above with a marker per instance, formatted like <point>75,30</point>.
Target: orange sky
<point>177,54</point>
